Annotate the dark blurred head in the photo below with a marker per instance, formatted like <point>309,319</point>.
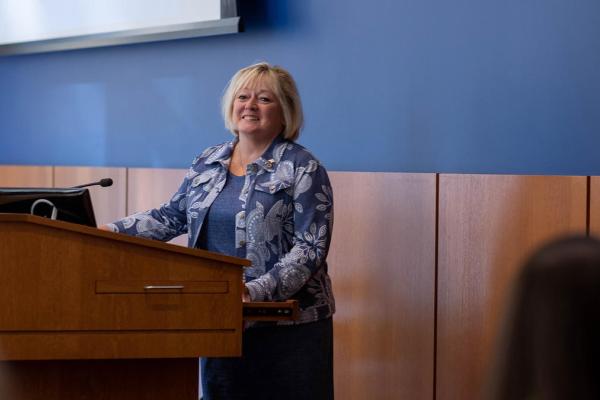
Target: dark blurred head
<point>551,348</point>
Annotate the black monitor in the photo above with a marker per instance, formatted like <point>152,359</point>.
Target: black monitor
<point>70,205</point>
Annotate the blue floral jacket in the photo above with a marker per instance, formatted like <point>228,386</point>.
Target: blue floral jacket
<point>284,227</point>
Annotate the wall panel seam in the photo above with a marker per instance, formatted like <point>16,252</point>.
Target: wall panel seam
<point>435,280</point>
<point>126,191</point>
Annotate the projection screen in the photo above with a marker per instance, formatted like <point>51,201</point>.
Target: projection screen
<point>31,26</point>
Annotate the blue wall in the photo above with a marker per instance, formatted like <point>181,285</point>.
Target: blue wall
<point>507,86</point>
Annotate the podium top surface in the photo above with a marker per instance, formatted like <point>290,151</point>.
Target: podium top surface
<point>85,230</point>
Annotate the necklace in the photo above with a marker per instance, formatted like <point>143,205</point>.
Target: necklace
<point>238,166</point>
<point>239,163</point>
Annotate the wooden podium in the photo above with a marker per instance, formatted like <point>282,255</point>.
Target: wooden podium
<point>89,314</point>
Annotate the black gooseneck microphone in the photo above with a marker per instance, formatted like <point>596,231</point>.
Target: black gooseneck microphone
<point>105,182</point>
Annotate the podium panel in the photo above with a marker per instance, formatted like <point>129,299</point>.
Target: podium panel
<point>88,311</point>
<point>164,379</point>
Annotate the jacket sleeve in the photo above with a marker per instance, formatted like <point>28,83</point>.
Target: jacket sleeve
<point>313,223</point>
<point>162,223</point>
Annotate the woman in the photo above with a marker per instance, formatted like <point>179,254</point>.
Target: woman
<point>262,197</point>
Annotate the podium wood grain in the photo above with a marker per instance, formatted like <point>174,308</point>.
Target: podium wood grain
<point>100,379</point>
<point>71,292</point>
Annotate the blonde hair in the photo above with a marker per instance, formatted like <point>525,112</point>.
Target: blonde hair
<point>283,86</point>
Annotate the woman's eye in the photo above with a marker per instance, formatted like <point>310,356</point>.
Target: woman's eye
<point>265,99</point>
<point>242,97</point>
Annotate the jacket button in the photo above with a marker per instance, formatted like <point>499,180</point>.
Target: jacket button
<point>269,164</point>
<point>242,243</point>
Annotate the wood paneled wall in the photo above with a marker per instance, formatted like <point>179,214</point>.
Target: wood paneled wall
<point>419,298</point>
<point>149,187</point>
<point>109,202</point>
<point>382,265</point>
<point>594,209</point>
<point>25,176</point>
<point>488,225</point>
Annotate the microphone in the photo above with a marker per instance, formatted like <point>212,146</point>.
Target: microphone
<point>105,182</point>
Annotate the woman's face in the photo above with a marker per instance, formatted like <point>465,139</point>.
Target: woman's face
<point>257,112</point>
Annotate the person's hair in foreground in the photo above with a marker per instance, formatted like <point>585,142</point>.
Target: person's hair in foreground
<point>551,347</point>
<point>280,82</point>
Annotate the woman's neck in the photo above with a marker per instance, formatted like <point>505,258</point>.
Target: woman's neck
<point>245,152</point>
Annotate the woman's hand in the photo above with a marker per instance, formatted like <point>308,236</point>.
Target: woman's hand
<point>105,228</point>
<point>246,295</point>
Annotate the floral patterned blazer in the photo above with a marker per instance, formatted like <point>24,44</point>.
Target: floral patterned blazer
<point>284,227</point>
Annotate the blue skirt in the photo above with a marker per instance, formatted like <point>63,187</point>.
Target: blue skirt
<point>292,362</point>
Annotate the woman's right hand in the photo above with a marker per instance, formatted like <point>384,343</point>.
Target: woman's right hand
<point>246,295</point>
<point>105,228</point>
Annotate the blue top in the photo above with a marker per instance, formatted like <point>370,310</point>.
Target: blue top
<point>218,231</point>
<point>283,228</point>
